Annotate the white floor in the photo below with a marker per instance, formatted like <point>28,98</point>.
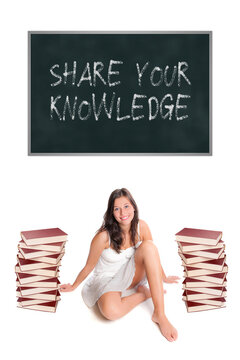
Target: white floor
<point>76,331</point>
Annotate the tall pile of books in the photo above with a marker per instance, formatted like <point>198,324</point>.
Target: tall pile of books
<point>37,269</point>
<point>205,269</point>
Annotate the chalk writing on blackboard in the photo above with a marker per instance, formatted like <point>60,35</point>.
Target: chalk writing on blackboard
<point>108,104</point>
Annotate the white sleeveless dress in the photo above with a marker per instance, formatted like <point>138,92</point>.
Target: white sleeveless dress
<point>113,272</point>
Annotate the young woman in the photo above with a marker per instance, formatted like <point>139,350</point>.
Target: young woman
<point>123,256</point>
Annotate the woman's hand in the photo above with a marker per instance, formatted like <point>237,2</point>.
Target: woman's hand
<point>171,279</point>
<point>66,287</point>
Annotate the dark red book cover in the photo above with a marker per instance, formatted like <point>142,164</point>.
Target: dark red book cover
<point>43,233</point>
<point>207,234</point>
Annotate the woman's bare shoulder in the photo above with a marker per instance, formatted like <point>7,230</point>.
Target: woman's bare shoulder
<point>145,232</point>
<point>143,225</point>
<point>102,237</point>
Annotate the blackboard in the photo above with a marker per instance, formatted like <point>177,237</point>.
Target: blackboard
<point>119,93</point>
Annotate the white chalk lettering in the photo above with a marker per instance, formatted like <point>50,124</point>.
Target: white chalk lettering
<point>181,96</point>
<point>170,107</point>
<point>157,68</point>
<point>151,116</point>
<point>67,73</point>
<point>167,107</point>
<point>67,106</point>
<point>102,105</point>
<point>53,107</point>
<point>88,78</point>
<point>182,72</point>
<point>166,76</point>
<point>140,72</point>
<point>96,72</point>
<point>55,75</point>
<point>110,73</point>
<point>119,118</point>
<point>95,111</point>
<point>135,96</point>
<point>109,112</point>
<point>86,103</point>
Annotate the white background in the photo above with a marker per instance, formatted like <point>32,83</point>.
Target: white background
<point>172,192</point>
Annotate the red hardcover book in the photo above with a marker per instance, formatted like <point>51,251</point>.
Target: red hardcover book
<point>194,271</point>
<point>214,278</point>
<point>30,301</point>
<point>43,236</point>
<point>217,264</point>
<point>32,264</point>
<point>217,301</point>
<point>196,283</point>
<point>194,306</point>
<point>51,295</point>
<point>214,291</point>
<point>47,283</point>
<point>50,271</point>
<point>199,236</point>
<point>31,254</point>
<point>192,259</point>
<point>189,247</point>
<point>47,306</point>
<point>29,291</point>
<point>51,259</point>
<point>195,295</point>
<point>24,278</point>
<point>52,247</point>
<point>209,254</point>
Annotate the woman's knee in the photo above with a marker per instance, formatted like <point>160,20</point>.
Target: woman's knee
<point>147,249</point>
<point>109,309</point>
<point>147,245</point>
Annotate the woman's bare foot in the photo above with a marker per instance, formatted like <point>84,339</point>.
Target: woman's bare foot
<point>143,289</point>
<point>166,328</point>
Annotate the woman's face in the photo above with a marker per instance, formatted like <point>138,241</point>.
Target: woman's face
<point>123,211</point>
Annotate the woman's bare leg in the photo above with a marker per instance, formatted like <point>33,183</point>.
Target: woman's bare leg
<point>147,258</point>
<point>147,262</point>
<point>112,306</point>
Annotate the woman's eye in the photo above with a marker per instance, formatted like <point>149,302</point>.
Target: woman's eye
<point>116,209</point>
<point>126,206</point>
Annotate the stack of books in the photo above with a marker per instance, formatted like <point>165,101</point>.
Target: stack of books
<point>37,269</point>
<point>205,269</point>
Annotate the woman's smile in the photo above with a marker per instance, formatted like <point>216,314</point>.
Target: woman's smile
<point>124,217</point>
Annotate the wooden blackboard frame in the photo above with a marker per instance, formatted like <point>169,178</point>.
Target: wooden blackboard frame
<point>30,153</point>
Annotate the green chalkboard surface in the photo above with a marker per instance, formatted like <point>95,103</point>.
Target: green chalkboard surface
<point>119,93</point>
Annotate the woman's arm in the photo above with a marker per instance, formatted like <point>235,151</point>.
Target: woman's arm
<point>98,244</point>
<point>146,235</point>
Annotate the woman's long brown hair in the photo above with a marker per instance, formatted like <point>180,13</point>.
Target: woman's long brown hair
<point>111,225</point>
